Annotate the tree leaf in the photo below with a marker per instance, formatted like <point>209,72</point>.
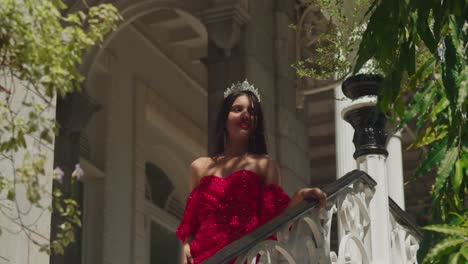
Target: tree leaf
<point>442,248</point>
<point>421,101</point>
<point>430,135</point>
<point>464,250</point>
<point>378,29</point>
<point>450,73</point>
<point>463,90</point>
<point>448,229</point>
<point>446,166</point>
<point>457,178</point>
<point>421,74</point>
<point>439,107</point>
<point>423,28</point>
<point>454,258</point>
<point>433,157</point>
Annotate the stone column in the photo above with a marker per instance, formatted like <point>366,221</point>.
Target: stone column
<point>395,170</point>
<point>369,139</point>
<point>224,21</point>
<point>344,147</point>
<point>343,136</point>
<point>73,114</point>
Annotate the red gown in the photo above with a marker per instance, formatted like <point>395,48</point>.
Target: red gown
<point>221,210</point>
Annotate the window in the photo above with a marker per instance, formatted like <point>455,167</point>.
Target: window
<point>164,246</point>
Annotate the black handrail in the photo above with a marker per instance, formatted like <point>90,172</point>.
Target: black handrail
<point>402,218</point>
<point>243,244</point>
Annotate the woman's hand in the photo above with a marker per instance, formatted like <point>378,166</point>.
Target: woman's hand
<point>186,255</point>
<point>309,193</point>
<point>314,193</point>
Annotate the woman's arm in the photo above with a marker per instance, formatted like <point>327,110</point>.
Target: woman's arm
<point>272,172</point>
<point>273,176</point>
<point>186,254</point>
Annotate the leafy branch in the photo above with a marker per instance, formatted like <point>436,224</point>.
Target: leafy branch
<point>424,44</point>
<point>332,55</point>
<point>40,49</point>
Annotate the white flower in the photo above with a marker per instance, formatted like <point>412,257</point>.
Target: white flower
<point>58,174</point>
<point>78,173</point>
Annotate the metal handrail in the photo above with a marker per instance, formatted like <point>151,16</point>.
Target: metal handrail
<point>403,218</point>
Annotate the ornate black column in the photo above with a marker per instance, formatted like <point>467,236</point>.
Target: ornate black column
<point>371,154</point>
<point>73,114</point>
<point>370,136</point>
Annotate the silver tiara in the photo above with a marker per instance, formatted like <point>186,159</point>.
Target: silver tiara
<point>242,86</point>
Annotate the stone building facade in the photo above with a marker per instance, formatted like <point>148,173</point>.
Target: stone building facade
<point>152,93</point>
<point>158,81</point>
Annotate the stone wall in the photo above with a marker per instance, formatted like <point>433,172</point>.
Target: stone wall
<point>21,224</point>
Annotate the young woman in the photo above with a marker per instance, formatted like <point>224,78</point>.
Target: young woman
<point>238,189</point>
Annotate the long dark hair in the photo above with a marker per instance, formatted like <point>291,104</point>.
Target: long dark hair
<point>257,142</point>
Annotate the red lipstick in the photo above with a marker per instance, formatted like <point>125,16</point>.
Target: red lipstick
<point>244,125</point>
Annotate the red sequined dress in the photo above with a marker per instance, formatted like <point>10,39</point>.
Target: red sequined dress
<point>221,210</point>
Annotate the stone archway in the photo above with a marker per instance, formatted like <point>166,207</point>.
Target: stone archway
<point>132,12</point>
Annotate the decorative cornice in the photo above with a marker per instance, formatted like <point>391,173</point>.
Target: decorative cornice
<point>224,22</point>
<point>225,12</point>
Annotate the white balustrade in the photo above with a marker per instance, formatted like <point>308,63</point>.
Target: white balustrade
<point>307,239</point>
<point>405,245</point>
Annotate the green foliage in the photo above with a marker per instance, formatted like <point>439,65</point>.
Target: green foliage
<point>424,45</point>
<point>454,245</point>
<point>449,230</point>
<point>40,48</point>
<point>335,48</point>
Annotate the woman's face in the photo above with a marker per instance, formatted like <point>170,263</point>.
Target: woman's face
<point>239,123</point>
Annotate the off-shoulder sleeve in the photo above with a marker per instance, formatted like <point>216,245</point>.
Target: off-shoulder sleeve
<point>274,202</point>
<point>189,224</point>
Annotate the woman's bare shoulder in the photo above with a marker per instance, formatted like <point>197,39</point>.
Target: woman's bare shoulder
<point>198,168</point>
<point>271,170</point>
<point>200,163</point>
